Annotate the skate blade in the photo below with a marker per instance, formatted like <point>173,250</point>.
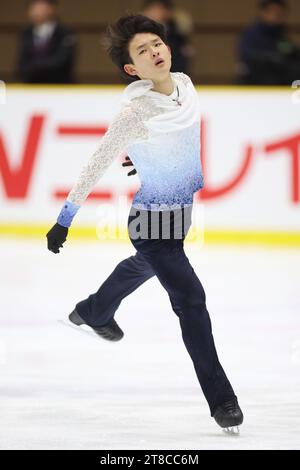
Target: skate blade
<point>232,430</point>
<point>85,329</point>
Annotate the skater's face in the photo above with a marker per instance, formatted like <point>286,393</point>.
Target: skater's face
<point>145,49</point>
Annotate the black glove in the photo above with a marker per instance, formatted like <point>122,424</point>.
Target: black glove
<point>129,163</point>
<point>56,237</point>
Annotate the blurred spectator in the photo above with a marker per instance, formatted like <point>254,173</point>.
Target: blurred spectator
<point>179,26</point>
<point>266,55</point>
<point>47,49</point>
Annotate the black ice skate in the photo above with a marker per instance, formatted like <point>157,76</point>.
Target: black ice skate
<point>229,416</point>
<point>111,331</point>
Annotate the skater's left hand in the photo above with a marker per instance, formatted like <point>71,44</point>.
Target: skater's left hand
<point>129,163</point>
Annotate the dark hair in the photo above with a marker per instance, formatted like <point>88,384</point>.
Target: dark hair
<point>265,3</point>
<point>166,3</point>
<point>119,34</point>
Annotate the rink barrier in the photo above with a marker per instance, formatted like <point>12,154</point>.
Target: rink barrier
<point>119,235</point>
<point>86,87</point>
<point>253,237</point>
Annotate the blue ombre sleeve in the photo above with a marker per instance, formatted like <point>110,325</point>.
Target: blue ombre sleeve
<point>67,213</point>
<point>125,128</point>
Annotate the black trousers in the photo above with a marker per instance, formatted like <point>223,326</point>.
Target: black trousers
<point>165,258</point>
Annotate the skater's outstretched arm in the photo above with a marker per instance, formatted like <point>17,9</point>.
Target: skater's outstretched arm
<point>125,129</point>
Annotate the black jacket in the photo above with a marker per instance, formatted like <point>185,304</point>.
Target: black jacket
<point>51,64</point>
<point>177,41</point>
<point>267,56</point>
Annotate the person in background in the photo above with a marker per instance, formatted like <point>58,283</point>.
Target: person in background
<point>47,48</point>
<point>266,54</point>
<point>179,25</point>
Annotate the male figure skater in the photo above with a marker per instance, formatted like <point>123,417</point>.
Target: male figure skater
<point>159,126</point>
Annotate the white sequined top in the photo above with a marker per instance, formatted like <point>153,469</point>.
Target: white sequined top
<point>161,134</point>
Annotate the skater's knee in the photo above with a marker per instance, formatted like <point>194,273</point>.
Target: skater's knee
<point>186,303</point>
<point>133,265</point>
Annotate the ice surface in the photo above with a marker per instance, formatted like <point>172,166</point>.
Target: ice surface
<point>64,390</point>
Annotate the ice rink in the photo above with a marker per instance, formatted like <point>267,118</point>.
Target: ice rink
<point>62,389</point>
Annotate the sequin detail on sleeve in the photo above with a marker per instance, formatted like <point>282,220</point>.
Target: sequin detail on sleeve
<point>126,128</point>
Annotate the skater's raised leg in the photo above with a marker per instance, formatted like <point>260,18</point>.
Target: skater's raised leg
<point>99,308</point>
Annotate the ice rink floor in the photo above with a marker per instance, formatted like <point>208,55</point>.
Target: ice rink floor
<point>62,389</point>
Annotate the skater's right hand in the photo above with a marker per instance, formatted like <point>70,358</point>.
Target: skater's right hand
<point>56,237</point>
<point>129,163</point>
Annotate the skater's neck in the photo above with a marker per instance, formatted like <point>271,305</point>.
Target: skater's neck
<point>165,86</point>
